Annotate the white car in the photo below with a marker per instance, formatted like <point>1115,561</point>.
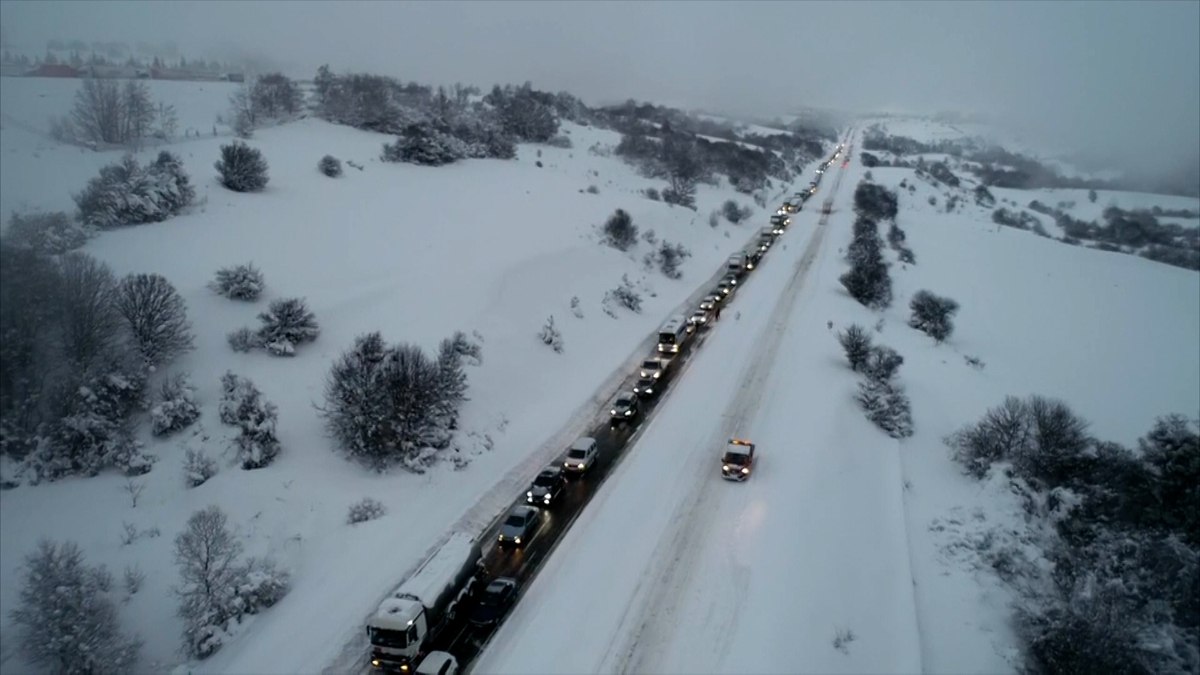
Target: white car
<point>437,663</point>
<point>652,368</point>
<point>580,456</point>
<point>698,318</point>
<point>709,302</point>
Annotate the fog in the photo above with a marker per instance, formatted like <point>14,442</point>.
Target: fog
<point>1117,82</point>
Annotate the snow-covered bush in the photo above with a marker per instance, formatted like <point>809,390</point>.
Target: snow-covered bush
<point>867,281</point>
<point>198,467</point>
<point>576,309</point>
<point>670,257</point>
<point>882,363</point>
<point>651,194</point>
<point>984,197</point>
<point>623,295</point>
<point>129,194</point>
<point>426,145</point>
<point>242,168</point>
<point>156,316</point>
<point>682,194</point>
<point>875,202</point>
<point>176,407</point>
<point>48,233</point>
<point>593,190</point>
<point>390,405</point>
<point>886,404</point>
<point>619,230</point>
<point>240,282</point>
<point>65,620</point>
<point>367,509</point>
<point>931,314</point>
<point>734,213</point>
<point>330,166</point>
<point>243,406</point>
<point>244,340</point>
<point>1045,441</point>
<point>263,584</point>
<point>550,336</point>
<point>287,323</point>
<point>856,342</point>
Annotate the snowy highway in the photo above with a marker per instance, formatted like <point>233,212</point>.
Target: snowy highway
<point>670,569</point>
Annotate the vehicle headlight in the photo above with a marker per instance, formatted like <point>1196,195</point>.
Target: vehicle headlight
<point>613,411</point>
<point>725,467</point>
<point>579,465</point>
<point>628,412</point>
<point>546,499</point>
<point>375,662</point>
<point>746,470</point>
<point>516,540</point>
<point>529,493</point>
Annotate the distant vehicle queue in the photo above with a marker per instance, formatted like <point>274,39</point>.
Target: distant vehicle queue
<point>454,577</point>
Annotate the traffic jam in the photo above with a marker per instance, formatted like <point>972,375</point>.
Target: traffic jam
<point>439,619</point>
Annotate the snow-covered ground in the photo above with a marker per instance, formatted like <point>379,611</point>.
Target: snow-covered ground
<point>414,252</point>
<point>843,531</point>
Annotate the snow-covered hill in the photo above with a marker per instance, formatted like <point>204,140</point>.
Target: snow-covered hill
<point>481,246</point>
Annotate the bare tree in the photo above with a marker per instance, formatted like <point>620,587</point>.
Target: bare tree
<point>97,114</point>
<point>90,321</point>
<point>207,555</point>
<point>156,316</point>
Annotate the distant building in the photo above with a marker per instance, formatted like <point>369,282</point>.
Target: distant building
<point>54,70</point>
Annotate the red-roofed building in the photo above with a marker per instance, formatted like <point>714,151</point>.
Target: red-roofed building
<point>54,70</point>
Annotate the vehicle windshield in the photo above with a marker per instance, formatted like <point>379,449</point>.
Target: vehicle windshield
<point>576,453</point>
<point>544,480</point>
<point>624,402</point>
<point>650,365</point>
<point>735,458</point>
<point>383,637</point>
<point>644,383</point>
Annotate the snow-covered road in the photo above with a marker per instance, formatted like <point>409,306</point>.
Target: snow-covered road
<point>672,570</point>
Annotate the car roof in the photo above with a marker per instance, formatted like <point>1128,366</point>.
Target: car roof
<point>552,470</point>
<point>501,582</point>
<point>626,395</point>
<point>583,443</point>
<point>433,662</point>
<point>522,510</point>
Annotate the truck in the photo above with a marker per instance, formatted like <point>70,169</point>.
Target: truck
<point>413,615</point>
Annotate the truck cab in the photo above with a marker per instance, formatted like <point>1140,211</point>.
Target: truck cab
<point>738,460</point>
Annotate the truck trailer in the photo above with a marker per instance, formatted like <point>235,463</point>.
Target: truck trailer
<point>409,619</point>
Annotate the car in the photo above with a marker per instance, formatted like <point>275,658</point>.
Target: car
<point>625,408</point>
<point>519,526</point>
<point>756,256</point>
<point>547,487</point>
<point>738,460</point>
<point>645,387</point>
<point>495,600</point>
<point>764,243</point>
<point>698,318</point>
<point>791,207</point>
<point>731,278</point>
<point>653,368</point>
<point>710,301</point>
<point>725,288</point>
<point>798,197</point>
<point>580,456</point>
<point>437,663</point>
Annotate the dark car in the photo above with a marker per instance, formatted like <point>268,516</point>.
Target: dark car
<point>520,526</point>
<point>495,600</point>
<point>646,387</point>
<point>547,487</point>
<point>625,408</point>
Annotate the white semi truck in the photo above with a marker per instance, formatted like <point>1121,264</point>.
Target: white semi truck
<point>408,620</point>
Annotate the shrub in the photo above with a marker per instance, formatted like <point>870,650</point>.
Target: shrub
<point>367,509</point>
<point>984,197</point>
<point>242,168</point>
<point>681,193</point>
<point>887,406</point>
<point>620,231</point>
<point>241,282</point>
<point>1045,441</point>
<point>625,296</point>
<point>275,95</point>
<point>931,314</point>
<point>651,194</point>
<point>867,281</point>
<point>593,190</point>
<point>426,145</point>
<point>670,257</point>
<point>65,621</point>
<point>244,340</point>
<point>550,336</point>
<point>46,233</point>
<point>393,404</point>
<point>856,342</point>
<point>156,316</point>
<point>129,194</point>
<point>176,407</point>
<point>243,406</point>
<point>734,213</point>
<point>198,467</point>
<point>875,201</point>
<point>330,166</point>
<point>286,324</point>
<point>882,363</point>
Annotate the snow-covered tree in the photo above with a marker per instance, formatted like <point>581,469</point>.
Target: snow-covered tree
<point>242,405</point>
<point>882,363</point>
<point>275,95</point>
<point>176,407</point>
<point>242,168</point>
<point>619,230</point>
<point>46,233</point>
<point>66,622</point>
<point>330,166</point>
<point>198,467</point>
<point>886,404</point>
<point>207,553</point>
<point>156,316</point>
<point>128,194</point>
<point>286,324</point>
<point>856,342</point>
<point>240,282</point>
<point>931,314</point>
<point>670,257</point>
<point>424,144</point>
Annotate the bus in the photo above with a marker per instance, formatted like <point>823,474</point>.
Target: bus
<point>672,334</point>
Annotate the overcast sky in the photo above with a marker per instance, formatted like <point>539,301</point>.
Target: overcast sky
<point>1117,79</point>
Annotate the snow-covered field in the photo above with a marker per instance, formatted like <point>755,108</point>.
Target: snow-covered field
<point>843,531</point>
<point>414,252</point>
